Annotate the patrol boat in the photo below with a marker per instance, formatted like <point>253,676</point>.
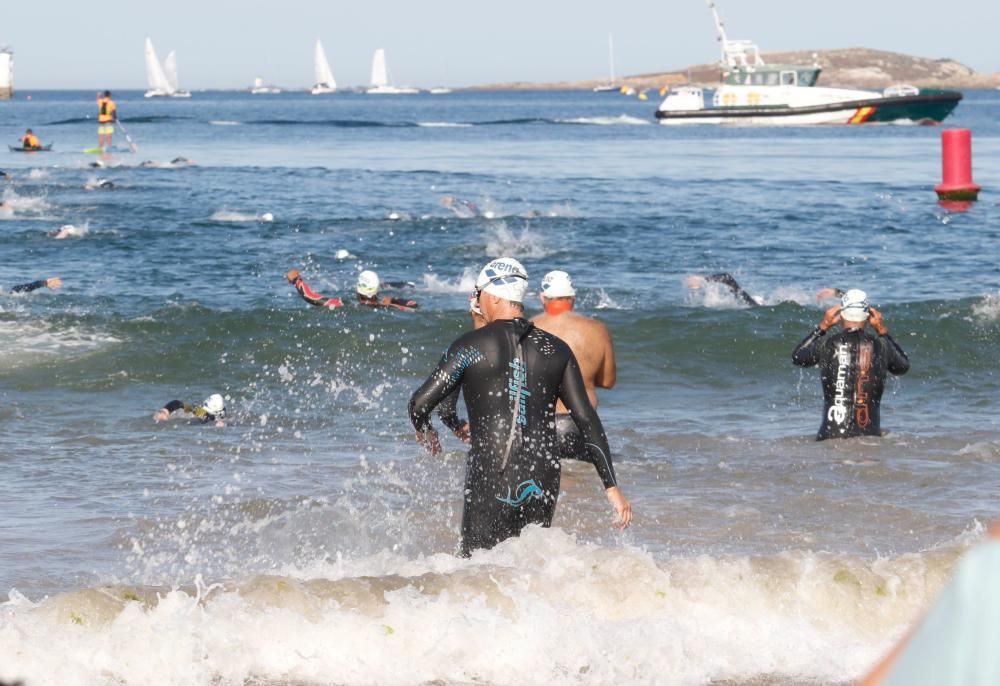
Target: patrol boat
<point>755,93</point>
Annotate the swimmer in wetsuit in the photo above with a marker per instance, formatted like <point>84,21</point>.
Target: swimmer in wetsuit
<point>448,409</point>
<point>309,295</point>
<point>729,281</point>
<point>52,282</point>
<point>511,374</point>
<point>853,366</point>
<point>212,410</point>
<point>367,293</point>
<point>590,342</point>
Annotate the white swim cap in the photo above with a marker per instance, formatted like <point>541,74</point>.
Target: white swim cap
<point>557,284</point>
<point>368,284</point>
<point>505,278</point>
<point>215,405</point>
<point>854,306</point>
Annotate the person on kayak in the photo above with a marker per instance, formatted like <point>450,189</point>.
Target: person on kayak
<point>29,141</point>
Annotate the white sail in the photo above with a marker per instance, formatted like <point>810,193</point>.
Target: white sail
<point>380,77</point>
<point>321,69</point>
<point>6,73</point>
<point>170,69</point>
<point>157,80</point>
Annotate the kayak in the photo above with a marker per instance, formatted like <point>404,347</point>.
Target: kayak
<point>44,148</point>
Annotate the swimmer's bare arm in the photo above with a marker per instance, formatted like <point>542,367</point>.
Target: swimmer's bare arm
<point>608,374</point>
<point>807,353</point>
<point>52,282</point>
<point>573,394</point>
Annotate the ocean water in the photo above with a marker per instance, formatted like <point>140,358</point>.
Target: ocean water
<point>312,542</point>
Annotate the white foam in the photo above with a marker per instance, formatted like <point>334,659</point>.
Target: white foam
<point>70,231</point>
<point>605,301</point>
<point>464,283</point>
<point>527,243</point>
<point>444,124</point>
<point>343,254</point>
<point>620,120</point>
<point>230,216</point>
<point>224,122</point>
<point>95,182</point>
<point>20,204</point>
<point>38,174</point>
<point>988,309</point>
<point>563,612</point>
<point>24,343</point>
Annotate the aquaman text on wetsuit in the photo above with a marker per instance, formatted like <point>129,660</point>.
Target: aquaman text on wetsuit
<point>511,374</point>
<point>853,366</point>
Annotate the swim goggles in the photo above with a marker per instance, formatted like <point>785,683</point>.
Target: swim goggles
<point>499,279</point>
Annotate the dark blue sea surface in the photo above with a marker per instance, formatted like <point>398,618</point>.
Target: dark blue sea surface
<point>174,287</point>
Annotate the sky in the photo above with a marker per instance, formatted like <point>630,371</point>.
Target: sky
<point>226,43</point>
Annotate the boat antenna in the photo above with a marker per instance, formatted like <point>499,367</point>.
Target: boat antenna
<point>734,52</point>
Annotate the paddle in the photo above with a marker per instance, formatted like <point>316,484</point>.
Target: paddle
<point>131,143</point>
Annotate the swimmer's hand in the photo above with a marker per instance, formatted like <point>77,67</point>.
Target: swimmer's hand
<point>464,433</point>
<point>695,282</point>
<point>53,283</point>
<point>430,441</point>
<point>161,415</point>
<point>875,319</point>
<point>831,317</point>
<point>292,275</point>
<point>826,293</point>
<point>622,507</point>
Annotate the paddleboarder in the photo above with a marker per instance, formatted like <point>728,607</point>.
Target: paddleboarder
<point>107,115</point>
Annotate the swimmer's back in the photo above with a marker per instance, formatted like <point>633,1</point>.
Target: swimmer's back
<point>590,342</point>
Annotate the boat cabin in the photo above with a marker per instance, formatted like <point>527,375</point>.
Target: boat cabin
<point>772,75</point>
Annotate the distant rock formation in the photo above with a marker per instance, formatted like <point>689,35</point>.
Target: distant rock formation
<point>844,68</point>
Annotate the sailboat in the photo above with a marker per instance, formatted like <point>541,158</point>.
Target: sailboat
<point>321,69</point>
<point>170,70</point>
<point>160,84</point>
<point>610,87</point>
<point>261,88</point>
<point>380,78</point>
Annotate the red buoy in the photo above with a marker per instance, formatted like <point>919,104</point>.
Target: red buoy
<point>956,166</point>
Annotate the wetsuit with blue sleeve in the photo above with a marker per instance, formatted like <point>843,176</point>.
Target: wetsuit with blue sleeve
<point>511,374</point>
<point>853,367</point>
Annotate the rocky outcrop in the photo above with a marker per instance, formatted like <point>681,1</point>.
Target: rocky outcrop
<point>845,68</point>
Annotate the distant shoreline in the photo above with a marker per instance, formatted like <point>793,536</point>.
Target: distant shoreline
<point>861,68</point>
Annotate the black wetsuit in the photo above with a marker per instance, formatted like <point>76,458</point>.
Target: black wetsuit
<point>512,471</point>
<point>853,365</point>
<point>733,285</point>
<point>197,410</point>
<point>28,287</point>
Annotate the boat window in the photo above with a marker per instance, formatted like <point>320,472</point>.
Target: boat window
<point>807,77</point>
<point>772,78</point>
<point>789,78</point>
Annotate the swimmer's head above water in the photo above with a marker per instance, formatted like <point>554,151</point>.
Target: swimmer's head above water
<point>557,294</point>
<point>854,306</point>
<point>368,284</point>
<point>506,281</point>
